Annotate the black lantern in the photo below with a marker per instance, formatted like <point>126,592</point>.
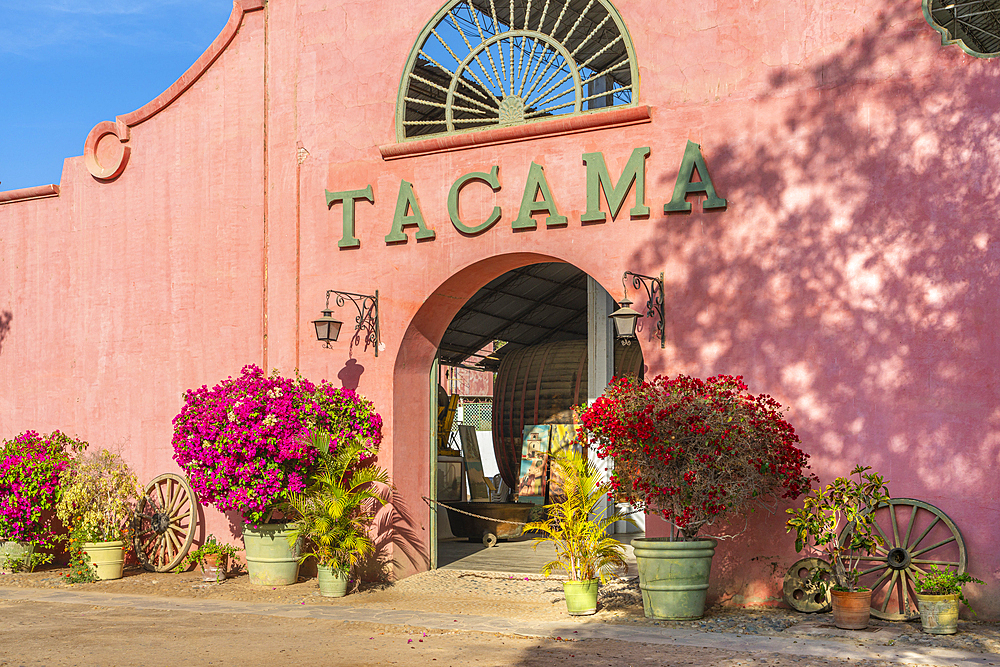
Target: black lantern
<point>366,322</point>
<point>327,328</point>
<point>625,320</point>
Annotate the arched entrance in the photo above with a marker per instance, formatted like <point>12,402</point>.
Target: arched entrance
<point>416,379</point>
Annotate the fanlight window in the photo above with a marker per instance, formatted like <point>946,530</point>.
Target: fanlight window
<point>973,24</point>
<point>490,63</point>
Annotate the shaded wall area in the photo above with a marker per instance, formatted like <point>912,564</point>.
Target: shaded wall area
<point>860,287</point>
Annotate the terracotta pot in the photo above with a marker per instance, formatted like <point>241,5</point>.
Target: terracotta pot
<point>214,567</point>
<point>851,610</point>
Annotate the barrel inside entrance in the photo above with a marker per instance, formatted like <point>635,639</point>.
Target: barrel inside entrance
<point>519,354</point>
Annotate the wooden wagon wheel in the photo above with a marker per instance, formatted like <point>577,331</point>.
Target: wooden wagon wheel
<point>916,535</point>
<point>165,523</point>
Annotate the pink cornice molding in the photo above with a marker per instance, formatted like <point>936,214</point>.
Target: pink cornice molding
<point>502,135</point>
<point>116,164</point>
<point>24,194</point>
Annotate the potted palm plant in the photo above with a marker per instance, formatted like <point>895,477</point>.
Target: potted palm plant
<point>848,504</point>
<point>692,451</point>
<point>938,595</point>
<point>580,535</point>
<point>336,511</point>
<point>99,495</point>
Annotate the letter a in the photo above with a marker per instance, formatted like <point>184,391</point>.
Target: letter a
<point>685,186</point>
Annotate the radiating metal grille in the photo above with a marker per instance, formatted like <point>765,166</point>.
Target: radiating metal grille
<point>973,23</point>
<point>485,63</point>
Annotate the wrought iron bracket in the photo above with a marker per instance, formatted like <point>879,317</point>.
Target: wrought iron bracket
<point>367,319</point>
<point>654,298</point>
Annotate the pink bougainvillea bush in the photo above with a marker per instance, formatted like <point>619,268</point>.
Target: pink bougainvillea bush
<point>695,450</point>
<point>30,468</point>
<point>247,442</point>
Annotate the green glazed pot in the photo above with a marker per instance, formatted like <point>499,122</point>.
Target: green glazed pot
<point>332,583</point>
<point>20,551</point>
<point>270,560</point>
<point>581,597</point>
<point>673,576</point>
<point>938,613</point>
<point>107,558</point>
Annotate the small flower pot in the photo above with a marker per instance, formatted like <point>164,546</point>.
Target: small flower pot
<point>938,613</point>
<point>214,568</point>
<point>851,609</point>
<point>581,597</point>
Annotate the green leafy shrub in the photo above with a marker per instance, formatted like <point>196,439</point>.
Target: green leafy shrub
<point>846,503</point>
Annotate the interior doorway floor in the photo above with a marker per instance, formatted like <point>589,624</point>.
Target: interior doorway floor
<point>515,556</point>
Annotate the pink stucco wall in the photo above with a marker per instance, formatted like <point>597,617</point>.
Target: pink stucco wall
<point>852,276</point>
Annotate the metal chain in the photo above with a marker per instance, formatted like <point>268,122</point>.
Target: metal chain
<point>477,516</point>
<point>489,518</point>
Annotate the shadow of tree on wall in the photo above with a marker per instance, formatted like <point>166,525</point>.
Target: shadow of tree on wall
<point>854,275</point>
<point>5,320</point>
<point>863,285</point>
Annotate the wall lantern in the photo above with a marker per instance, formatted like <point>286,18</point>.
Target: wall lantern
<point>625,318</point>
<point>328,328</point>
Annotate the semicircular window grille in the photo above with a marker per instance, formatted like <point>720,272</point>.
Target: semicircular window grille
<point>488,63</point>
<point>972,24</point>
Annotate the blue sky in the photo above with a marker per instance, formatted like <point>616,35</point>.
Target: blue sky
<point>66,65</point>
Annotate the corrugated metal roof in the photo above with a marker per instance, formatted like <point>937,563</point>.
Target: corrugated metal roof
<point>534,304</point>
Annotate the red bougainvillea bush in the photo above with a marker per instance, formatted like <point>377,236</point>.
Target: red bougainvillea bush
<point>695,450</point>
<point>247,442</point>
<point>30,468</point>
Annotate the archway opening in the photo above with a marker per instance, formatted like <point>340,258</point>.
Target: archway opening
<point>518,356</point>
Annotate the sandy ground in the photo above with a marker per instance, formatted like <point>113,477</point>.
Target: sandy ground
<point>57,635</point>
<point>37,633</point>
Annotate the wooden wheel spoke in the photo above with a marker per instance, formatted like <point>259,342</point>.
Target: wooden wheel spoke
<point>878,528</point>
<point>175,519</point>
<point>923,534</point>
<point>895,526</point>
<point>888,592</point>
<point>934,546</point>
<point>904,584</point>
<point>173,546</point>
<point>878,582</point>
<point>924,561</point>
<point>881,559</point>
<point>161,501</point>
<point>872,569</point>
<point>909,526</point>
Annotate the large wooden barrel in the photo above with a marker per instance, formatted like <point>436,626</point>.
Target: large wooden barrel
<point>540,385</point>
